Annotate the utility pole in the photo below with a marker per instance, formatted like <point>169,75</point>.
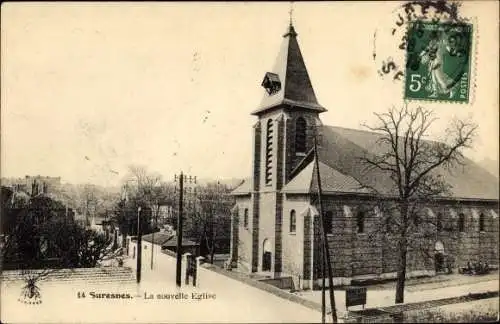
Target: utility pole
<point>179,225</point>
<point>179,232</point>
<point>139,243</point>
<point>326,252</point>
<point>153,234</point>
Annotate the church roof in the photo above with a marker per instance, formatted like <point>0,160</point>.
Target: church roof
<point>332,181</point>
<point>295,88</point>
<point>343,171</point>
<point>244,188</point>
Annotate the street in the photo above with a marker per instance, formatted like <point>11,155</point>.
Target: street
<point>227,300</point>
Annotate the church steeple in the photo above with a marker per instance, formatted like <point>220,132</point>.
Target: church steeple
<point>288,83</point>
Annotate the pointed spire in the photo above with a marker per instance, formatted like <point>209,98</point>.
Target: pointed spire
<point>289,82</point>
<point>291,31</point>
<point>291,15</point>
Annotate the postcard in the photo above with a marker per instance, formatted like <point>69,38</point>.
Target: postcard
<point>249,162</point>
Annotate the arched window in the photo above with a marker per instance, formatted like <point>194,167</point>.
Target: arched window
<point>461,222</point>
<point>269,152</point>
<point>439,222</point>
<point>481,222</point>
<point>245,218</point>
<point>360,221</point>
<point>300,135</point>
<point>293,221</point>
<point>328,222</point>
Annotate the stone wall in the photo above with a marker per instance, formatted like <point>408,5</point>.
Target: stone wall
<point>374,254</point>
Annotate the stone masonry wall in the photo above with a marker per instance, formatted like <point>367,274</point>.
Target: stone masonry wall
<point>373,254</point>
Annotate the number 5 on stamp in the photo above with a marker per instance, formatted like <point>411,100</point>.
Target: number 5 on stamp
<point>438,60</point>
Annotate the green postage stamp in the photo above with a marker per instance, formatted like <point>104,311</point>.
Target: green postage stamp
<point>438,61</point>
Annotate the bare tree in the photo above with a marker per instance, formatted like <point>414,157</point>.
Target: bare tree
<point>415,166</point>
<point>145,189</point>
<point>146,184</point>
<point>210,220</point>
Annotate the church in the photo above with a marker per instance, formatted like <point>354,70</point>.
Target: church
<point>275,220</point>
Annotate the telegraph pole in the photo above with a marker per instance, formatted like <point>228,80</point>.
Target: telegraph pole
<point>182,178</point>
<point>179,232</point>
<point>139,243</point>
<point>326,252</point>
<point>153,234</point>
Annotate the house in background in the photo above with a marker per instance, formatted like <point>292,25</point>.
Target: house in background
<point>275,220</point>
<point>159,242</point>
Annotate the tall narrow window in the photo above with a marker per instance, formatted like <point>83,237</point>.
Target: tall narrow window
<point>245,218</point>
<point>269,152</point>
<point>328,218</point>
<point>461,222</point>
<point>300,135</point>
<point>293,221</point>
<point>481,222</point>
<point>360,222</point>
<point>439,222</point>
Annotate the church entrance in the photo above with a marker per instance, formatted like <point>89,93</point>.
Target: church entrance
<point>439,257</point>
<point>266,255</point>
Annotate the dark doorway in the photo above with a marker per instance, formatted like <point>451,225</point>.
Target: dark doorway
<point>266,255</point>
<point>266,261</point>
<point>439,257</point>
<point>439,262</point>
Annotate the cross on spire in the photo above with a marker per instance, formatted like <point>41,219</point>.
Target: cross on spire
<point>290,12</point>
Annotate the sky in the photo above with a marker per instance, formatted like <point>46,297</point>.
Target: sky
<point>90,88</point>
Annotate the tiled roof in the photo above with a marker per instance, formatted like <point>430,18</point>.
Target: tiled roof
<point>301,183</point>
<point>338,151</point>
<point>245,188</point>
<point>332,181</point>
<point>342,148</point>
<point>173,242</point>
<point>158,237</point>
<point>343,171</point>
<point>296,88</point>
<point>166,239</point>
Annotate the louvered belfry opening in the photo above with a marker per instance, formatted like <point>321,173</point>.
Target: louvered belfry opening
<point>300,135</point>
<point>269,152</point>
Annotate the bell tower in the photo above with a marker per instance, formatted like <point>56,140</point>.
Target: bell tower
<point>288,114</point>
<point>288,118</point>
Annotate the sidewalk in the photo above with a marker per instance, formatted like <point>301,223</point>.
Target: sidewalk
<point>217,299</point>
<point>383,297</point>
<point>441,280</point>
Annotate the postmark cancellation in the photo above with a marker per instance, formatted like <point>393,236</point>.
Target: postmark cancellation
<point>438,61</point>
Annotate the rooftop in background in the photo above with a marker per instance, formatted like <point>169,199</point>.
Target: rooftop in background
<point>166,239</point>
